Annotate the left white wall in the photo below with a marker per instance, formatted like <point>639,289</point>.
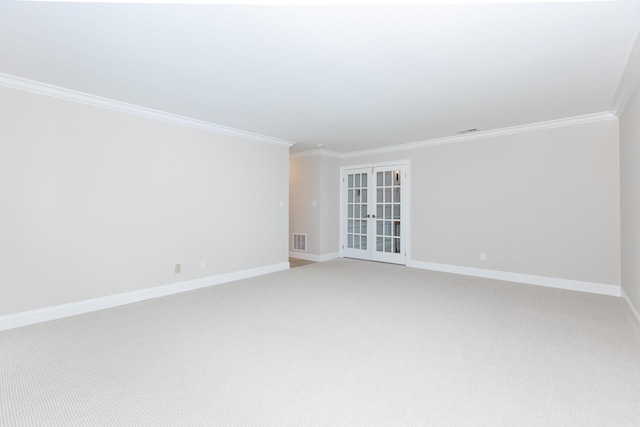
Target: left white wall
<point>97,202</point>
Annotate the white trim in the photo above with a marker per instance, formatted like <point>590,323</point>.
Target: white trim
<point>635,312</point>
<point>65,310</point>
<point>550,124</point>
<point>628,81</point>
<point>316,2</point>
<point>571,121</point>
<point>39,88</point>
<point>327,153</point>
<point>314,258</point>
<point>551,282</point>
<point>404,162</point>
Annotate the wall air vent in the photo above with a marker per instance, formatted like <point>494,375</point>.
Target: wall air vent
<point>467,131</point>
<point>299,242</point>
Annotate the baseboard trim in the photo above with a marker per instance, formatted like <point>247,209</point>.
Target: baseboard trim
<point>551,282</point>
<point>65,310</point>
<point>633,309</point>
<point>315,258</point>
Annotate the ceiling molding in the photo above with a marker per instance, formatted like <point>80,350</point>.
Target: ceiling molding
<point>39,88</point>
<point>630,78</point>
<point>628,81</point>
<point>327,153</point>
<point>571,121</point>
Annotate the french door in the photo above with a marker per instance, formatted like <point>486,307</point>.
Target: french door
<point>374,213</point>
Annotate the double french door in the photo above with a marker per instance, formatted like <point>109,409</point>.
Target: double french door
<point>374,214</point>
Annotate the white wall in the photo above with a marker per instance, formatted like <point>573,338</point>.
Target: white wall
<point>330,208</point>
<point>304,187</point>
<point>542,203</point>
<point>97,202</point>
<point>630,197</point>
<point>315,177</point>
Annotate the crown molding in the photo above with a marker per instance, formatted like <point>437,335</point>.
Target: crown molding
<point>327,153</point>
<point>628,80</point>
<point>571,121</point>
<point>625,88</point>
<point>40,88</point>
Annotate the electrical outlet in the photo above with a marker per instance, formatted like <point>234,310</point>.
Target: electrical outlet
<point>203,264</point>
<point>483,256</point>
<point>178,268</point>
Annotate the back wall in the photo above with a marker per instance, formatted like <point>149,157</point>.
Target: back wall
<point>543,203</point>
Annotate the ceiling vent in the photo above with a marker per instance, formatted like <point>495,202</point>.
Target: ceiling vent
<point>467,131</point>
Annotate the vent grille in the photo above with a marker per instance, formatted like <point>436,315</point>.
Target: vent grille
<point>299,242</point>
<point>462,132</point>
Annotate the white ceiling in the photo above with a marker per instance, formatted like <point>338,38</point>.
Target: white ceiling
<point>350,78</point>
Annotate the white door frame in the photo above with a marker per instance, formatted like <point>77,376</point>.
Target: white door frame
<point>406,195</point>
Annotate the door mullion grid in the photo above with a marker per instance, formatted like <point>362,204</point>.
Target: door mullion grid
<point>357,198</point>
<point>389,242</point>
<point>375,191</point>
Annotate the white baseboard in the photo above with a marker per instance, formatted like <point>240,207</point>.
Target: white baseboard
<point>315,258</point>
<point>634,310</point>
<point>65,310</point>
<point>551,282</point>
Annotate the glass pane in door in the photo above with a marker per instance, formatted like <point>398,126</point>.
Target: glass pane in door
<point>388,211</point>
<point>357,211</point>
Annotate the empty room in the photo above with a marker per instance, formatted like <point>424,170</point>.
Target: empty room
<point>320,213</point>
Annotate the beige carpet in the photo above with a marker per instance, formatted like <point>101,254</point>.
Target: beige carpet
<point>342,343</point>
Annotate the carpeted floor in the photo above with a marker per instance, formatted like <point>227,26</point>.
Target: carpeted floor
<point>341,343</point>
